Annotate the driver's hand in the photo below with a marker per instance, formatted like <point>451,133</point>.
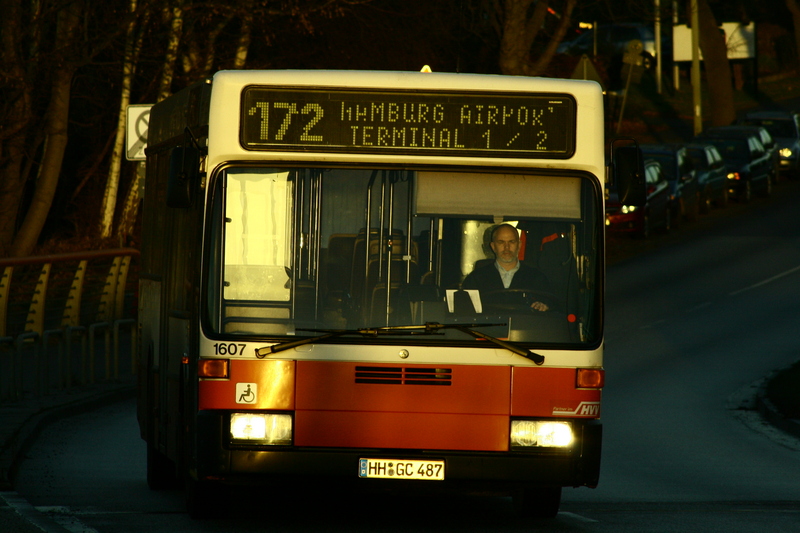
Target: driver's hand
<point>539,306</point>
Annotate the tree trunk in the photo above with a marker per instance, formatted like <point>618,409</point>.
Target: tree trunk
<point>112,183</point>
<point>18,116</point>
<point>130,208</point>
<point>56,123</point>
<point>243,45</point>
<point>520,31</point>
<point>722,109</point>
<point>171,55</point>
<point>563,25</point>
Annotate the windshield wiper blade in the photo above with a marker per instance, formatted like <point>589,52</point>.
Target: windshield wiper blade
<point>288,345</point>
<point>326,334</point>
<point>510,346</point>
<point>330,333</point>
<point>428,328</point>
<point>468,329</point>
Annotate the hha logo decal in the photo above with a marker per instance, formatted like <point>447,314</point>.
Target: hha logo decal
<point>585,409</point>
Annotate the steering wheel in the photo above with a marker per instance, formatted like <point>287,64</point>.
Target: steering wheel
<point>517,300</point>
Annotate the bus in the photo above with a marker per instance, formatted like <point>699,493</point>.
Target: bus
<point>302,310</point>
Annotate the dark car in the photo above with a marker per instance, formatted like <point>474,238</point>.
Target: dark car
<point>712,176</point>
<point>770,146</point>
<point>640,221</point>
<point>748,164</point>
<point>784,126</point>
<point>684,197</point>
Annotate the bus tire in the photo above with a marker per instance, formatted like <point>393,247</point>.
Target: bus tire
<point>537,502</point>
<point>160,470</point>
<point>207,499</point>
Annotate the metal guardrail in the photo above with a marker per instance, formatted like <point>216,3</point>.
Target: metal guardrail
<point>53,310</point>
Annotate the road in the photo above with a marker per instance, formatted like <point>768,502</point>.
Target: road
<point>692,323</point>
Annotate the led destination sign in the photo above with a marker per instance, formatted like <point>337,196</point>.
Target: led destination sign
<point>539,125</point>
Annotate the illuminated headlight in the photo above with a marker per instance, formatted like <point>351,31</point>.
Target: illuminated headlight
<point>786,153</point>
<point>733,175</point>
<point>628,209</point>
<point>273,429</point>
<point>541,433</point>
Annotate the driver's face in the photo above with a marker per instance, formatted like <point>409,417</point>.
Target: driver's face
<point>505,246</point>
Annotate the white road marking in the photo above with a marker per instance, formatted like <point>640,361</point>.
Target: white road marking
<point>764,282</point>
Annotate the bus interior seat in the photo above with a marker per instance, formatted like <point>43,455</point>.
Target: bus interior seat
<point>339,261</point>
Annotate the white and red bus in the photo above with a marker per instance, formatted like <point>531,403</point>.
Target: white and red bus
<point>305,237</point>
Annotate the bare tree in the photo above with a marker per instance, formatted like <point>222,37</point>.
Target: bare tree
<point>17,112</point>
<point>133,42</point>
<point>68,25</point>
<point>525,21</point>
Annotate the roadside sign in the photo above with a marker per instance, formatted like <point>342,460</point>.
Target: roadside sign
<point>136,131</point>
<point>585,70</point>
<point>633,53</point>
<point>740,41</point>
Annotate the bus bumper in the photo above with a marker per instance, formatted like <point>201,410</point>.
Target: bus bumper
<point>576,466</point>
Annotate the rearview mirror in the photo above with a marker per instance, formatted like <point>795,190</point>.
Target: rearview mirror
<point>627,174</point>
<point>184,172</point>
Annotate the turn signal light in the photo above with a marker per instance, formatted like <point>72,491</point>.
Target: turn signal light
<point>591,378</point>
<point>212,368</point>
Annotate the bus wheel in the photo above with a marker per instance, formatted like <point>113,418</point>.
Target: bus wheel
<point>537,502</point>
<point>207,499</point>
<point>160,470</point>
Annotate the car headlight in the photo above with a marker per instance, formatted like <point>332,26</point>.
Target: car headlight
<point>629,209</point>
<point>541,433</point>
<point>733,175</point>
<point>264,428</point>
<point>786,153</point>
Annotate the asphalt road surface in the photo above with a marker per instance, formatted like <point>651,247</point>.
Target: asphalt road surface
<point>693,322</point>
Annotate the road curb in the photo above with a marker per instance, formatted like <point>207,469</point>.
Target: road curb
<point>31,419</point>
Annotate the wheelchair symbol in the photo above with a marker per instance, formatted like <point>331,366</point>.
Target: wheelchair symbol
<point>246,392</point>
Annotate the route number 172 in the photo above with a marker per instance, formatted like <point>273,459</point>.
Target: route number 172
<point>310,114</point>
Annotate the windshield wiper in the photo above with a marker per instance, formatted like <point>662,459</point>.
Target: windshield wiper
<point>428,328</point>
<point>510,346</point>
<point>425,329</point>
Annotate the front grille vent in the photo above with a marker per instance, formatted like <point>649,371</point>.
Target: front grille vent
<point>382,375</point>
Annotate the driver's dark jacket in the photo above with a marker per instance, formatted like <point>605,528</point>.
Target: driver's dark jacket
<point>487,279</point>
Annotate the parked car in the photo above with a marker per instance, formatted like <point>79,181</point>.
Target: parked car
<point>747,162</point>
<point>641,221</point>
<point>612,42</point>
<point>784,126</point>
<point>712,176</point>
<point>770,146</point>
<point>684,198</point>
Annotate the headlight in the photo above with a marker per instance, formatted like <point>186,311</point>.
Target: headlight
<point>733,175</point>
<point>275,429</point>
<point>541,433</point>
<point>786,153</point>
<point>628,209</point>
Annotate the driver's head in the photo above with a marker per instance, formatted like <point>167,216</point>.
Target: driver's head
<point>505,244</point>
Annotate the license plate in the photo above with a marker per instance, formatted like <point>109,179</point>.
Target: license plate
<point>401,469</point>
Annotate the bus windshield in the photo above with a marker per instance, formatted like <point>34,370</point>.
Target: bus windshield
<point>296,251</point>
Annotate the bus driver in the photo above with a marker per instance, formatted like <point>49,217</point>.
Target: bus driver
<point>507,271</point>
